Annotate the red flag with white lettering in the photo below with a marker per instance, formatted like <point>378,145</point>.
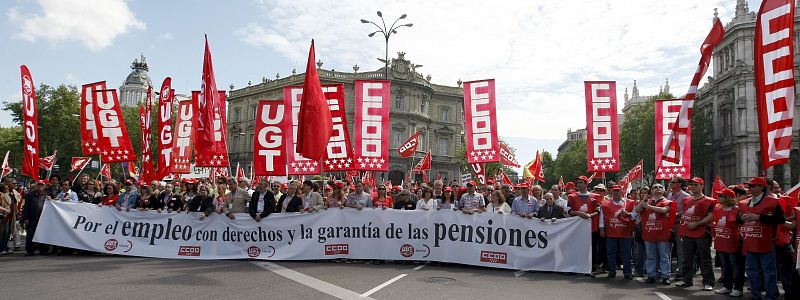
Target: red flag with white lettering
<point>105,170</point>
<point>30,116</point>
<point>339,152</point>
<point>717,187</point>
<point>410,146</point>
<point>78,163</point>
<point>674,140</point>
<point>210,119</point>
<point>667,113</point>
<point>48,161</point>
<point>480,114</point>
<point>269,145</point>
<point>506,180</point>
<point>352,175</point>
<point>480,172</point>
<point>148,174</point>
<point>88,125</point>
<point>5,168</point>
<point>184,136</point>
<point>602,138</point>
<point>424,164</point>
<point>774,80</point>
<point>296,163</point>
<point>634,174</point>
<point>507,157</point>
<point>372,125</point>
<point>165,99</point>
<point>113,139</point>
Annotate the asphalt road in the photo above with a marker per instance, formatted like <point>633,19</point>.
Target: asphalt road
<point>115,277</point>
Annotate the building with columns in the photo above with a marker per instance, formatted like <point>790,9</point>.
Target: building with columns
<point>416,104</point>
<point>729,98</point>
<point>134,89</point>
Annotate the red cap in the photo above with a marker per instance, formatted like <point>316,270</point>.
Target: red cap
<point>727,192</point>
<point>328,188</point>
<point>523,185</point>
<point>284,186</point>
<point>397,188</point>
<point>616,187</point>
<point>758,181</point>
<point>490,181</point>
<point>339,184</point>
<point>448,189</point>
<point>582,177</point>
<point>698,180</point>
<point>462,190</point>
<point>472,183</point>
<point>570,185</point>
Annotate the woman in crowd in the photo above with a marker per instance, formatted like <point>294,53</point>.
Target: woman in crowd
<point>727,243</point>
<point>497,203</point>
<point>175,200</point>
<point>165,196</point>
<point>221,197</point>
<point>448,199</point>
<point>382,200</point>
<point>90,194</point>
<point>336,198</point>
<point>427,202</point>
<point>189,190</point>
<point>536,192</point>
<point>110,195</point>
<point>202,202</point>
<point>6,215</point>
<point>290,201</point>
<point>417,193</point>
<point>148,200</point>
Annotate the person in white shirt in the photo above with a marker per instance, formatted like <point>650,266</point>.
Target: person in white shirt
<point>66,194</point>
<point>427,202</point>
<point>497,203</point>
<point>558,196</point>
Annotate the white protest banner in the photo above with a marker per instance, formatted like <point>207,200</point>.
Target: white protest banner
<point>491,240</point>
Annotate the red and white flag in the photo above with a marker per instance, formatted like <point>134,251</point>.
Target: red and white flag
<point>602,136</point>
<point>410,146</point>
<point>113,139</point>
<point>5,168</point>
<point>634,174</point>
<point>479,171</point>
<point>314,125</point>
<point>239,173</point>
<point>774,79</point>
<point>105,170</point>
<point>148,174</point>
<point>295,162</point>
<point>165,98</point>
<point>88,126</point>
<point>367,177</point>
<point>505,179</point>
<point>591,177</point>
<point>674,145</point>
<point>352,175</point>
<point>47,162</point>
<point>424,164</point>
<point>183,142</point>
<point>507,157</point>
<point>717,187</point>
<point>372,125</point>
<point>480,114</point>
<point>561,182</point>
<point>210,119</point>
<point>794,192</point>
<point>535,168</point>
<point>667,113</point>
<point>269,145</point>
<point>339,152</point>
<point>30,124</point>
<point>79,163</point>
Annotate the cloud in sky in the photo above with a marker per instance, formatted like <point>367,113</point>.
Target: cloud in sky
<point>540,52</point>
<point>95,23</point>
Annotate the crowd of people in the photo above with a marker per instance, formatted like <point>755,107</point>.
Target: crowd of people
<point>750,226</point>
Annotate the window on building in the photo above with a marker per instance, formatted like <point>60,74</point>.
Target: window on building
<point>253,112</point>
<point>237,115</point>
<point>444,115</point>
<point>422,106</point>
<point>444,146</point>
<point>398,102</point>
<point>397,138</point>
<point>250,143</point>
<point>235,143</point>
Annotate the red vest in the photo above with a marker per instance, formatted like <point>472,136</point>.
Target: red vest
<point>756,236</point>
<point>658,227</point>
<point>617,226</point>
<point>796,211</point>
<point>588,206</point>
<point>726,230</point>
<point>784,235</point>
<point>693,211</point>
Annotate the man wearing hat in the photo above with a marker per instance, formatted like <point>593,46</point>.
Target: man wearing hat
<point>616,225</point>
<point>130,198</point>
<point>657,215</point>
<point>586,205</point>
<point>759,216</point>
<point>471,201</point>
<point>727,244</point>
<point>698,212</point>
<point>525,206</point>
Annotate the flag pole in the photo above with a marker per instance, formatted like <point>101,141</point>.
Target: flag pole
<point>84,167</point>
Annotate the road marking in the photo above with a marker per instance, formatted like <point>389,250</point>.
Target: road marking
<point>419,267</point>
<point>662,296</point>
<point>519,273</point>
<point>322,286</point>
<point>383,285</point>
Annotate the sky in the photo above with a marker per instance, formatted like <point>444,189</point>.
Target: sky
<point>539,52</point>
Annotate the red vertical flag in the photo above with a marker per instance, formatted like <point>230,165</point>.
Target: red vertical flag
<point>668,113</point>
<point>372,125</point>
<point>88,127</point>
<point>210,120</point>
<point>165,98</point>
<point>481,121</point>
<point>480,172</point>
<point>424,164</point>
<point>184,136</point>
<point>339,155</point>
<point>774,79</point>
<point>602,137</point>
<point>113,139</point>
<point>30,115</point>
<point>314,121</point>
<point>145,124</point>
<point>105,170</point>
<point>269,145</point>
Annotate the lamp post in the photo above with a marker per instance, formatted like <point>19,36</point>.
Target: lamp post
<point>387,32</point>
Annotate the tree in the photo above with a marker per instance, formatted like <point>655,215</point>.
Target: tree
<point>702,135</point>
<point>572,162</point>
<point>490,168</point>
<point>549,166</point>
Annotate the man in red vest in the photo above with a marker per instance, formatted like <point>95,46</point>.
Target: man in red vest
<point>759,217</point>
<point>783,248</point>
<point>698,212</point>
<point>657,215</point>
<point>616,225</point>
<point>586,205</point>
<point>727,243</point>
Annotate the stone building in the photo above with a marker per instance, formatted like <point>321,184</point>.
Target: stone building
<point>416,104</point>
<point>134,89</point>
<point>729,98</point>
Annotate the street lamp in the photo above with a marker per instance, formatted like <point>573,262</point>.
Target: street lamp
<point>387,32</point>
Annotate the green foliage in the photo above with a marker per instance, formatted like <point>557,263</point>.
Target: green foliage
<point>702,135</point>
<point>572,163</point>
<point>490,168</point>
<point>549,165</point>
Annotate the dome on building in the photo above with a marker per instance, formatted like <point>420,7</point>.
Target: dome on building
<point>134,88</point>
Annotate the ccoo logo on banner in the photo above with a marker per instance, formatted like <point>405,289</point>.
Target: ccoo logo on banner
<point>602,137</point>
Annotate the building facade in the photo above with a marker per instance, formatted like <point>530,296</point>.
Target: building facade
<point>729,98</point>
<point>134,89</point>
<point>416,104</point>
